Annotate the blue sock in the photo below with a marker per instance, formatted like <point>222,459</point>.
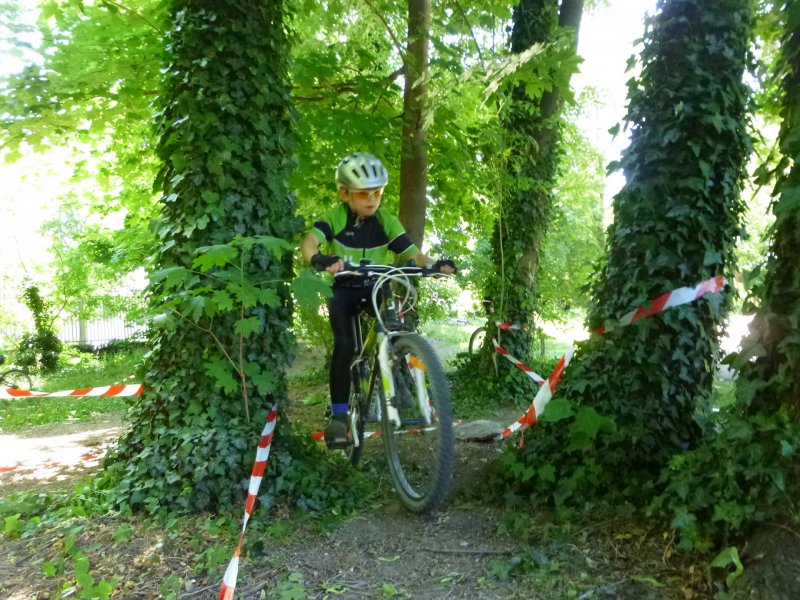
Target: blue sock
<point>339,410</point>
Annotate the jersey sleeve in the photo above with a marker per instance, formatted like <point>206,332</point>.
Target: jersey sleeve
<point>399,242</point>
<point>323,227</point>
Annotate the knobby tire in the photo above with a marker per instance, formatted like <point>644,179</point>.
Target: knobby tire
<point>420,463</point>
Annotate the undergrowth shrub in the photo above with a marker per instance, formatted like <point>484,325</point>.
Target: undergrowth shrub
<point>710,500</point>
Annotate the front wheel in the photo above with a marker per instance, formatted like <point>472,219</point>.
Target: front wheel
<point>15,379</point>
<point>420,453</point>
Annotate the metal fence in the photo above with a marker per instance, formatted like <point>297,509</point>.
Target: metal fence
<point>98,332</point>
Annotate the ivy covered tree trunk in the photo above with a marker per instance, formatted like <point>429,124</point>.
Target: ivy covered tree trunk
<point>633,392</point>
<point>221,279</point>
<point>533,137</point>
<point>770,360</point>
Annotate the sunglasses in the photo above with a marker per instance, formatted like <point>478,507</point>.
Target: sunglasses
<point>366,194</point>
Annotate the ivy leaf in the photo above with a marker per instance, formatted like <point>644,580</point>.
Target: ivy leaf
<point>787,449</point>
<point>547,473</point>
<point>712,257</point>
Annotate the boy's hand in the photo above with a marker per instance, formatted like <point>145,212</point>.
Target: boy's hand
<point>446,266</point>
<point>331,264</point>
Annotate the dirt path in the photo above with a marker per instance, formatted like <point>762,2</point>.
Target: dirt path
<point>51,456</point>
<point>467,550</point>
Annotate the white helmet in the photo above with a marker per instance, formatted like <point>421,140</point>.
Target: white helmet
<point>361,171</point>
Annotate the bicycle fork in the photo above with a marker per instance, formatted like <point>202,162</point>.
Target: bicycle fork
<point>389,391</point>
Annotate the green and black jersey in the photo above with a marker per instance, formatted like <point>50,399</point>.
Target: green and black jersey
<point>354,238</point>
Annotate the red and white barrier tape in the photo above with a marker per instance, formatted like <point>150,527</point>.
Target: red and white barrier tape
<point>541,399</point>
<point>676,297</point>
<point>105,390</point>
<point>259,467</point>
<point>518,363</point>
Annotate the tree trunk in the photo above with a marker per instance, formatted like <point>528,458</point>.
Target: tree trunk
<point>532,126</point>
<point>225,143</point>
<point>676,223</point>
<point>413,161</point>
<point>770,358</point>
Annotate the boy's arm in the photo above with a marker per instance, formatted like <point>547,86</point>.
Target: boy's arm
<point>309,248</point>
<point>423,259</point>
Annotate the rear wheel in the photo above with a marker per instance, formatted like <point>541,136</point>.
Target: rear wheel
<point>420,454</point>
<point>16,379</point>
<point>476,339</point>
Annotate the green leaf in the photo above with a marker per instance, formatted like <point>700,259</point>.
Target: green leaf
<point>276,246</point>
<point>557,410</point>
<point>172,276</point>
<point>247,326</point>
<point>221,372</point>
<point>729,557</point>
<point>307,289</point>
<point>712,257</point>
<point>222,301</point>
<point>269,297</point>
<point>218,255</point>
<point>122,534</point>
<point>589,422</point>
<point>85,580</point>
<point>547,473</point>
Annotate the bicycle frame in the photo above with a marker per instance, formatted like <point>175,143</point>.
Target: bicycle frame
<point>383,329</point>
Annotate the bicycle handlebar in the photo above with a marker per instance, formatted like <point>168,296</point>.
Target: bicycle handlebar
<point>374,270</point>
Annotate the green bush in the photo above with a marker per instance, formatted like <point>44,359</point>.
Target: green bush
<point>709,501</point>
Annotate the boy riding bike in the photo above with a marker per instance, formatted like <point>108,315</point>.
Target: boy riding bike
<point>358,228</point>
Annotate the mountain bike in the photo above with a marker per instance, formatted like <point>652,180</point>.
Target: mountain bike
<point>398,381</point>
<point>15,379</point>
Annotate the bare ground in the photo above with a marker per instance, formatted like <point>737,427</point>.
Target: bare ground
<point>469,549</point>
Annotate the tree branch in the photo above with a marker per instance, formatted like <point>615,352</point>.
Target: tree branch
<point>471,31</point>
<point>135,13</point>
<point>397,44</point>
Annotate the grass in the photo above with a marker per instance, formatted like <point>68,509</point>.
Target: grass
<point>23,413</point>
<point>79,370</point>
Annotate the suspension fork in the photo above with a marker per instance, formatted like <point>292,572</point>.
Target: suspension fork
<point>417,373</point>
<point>387,379</point>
